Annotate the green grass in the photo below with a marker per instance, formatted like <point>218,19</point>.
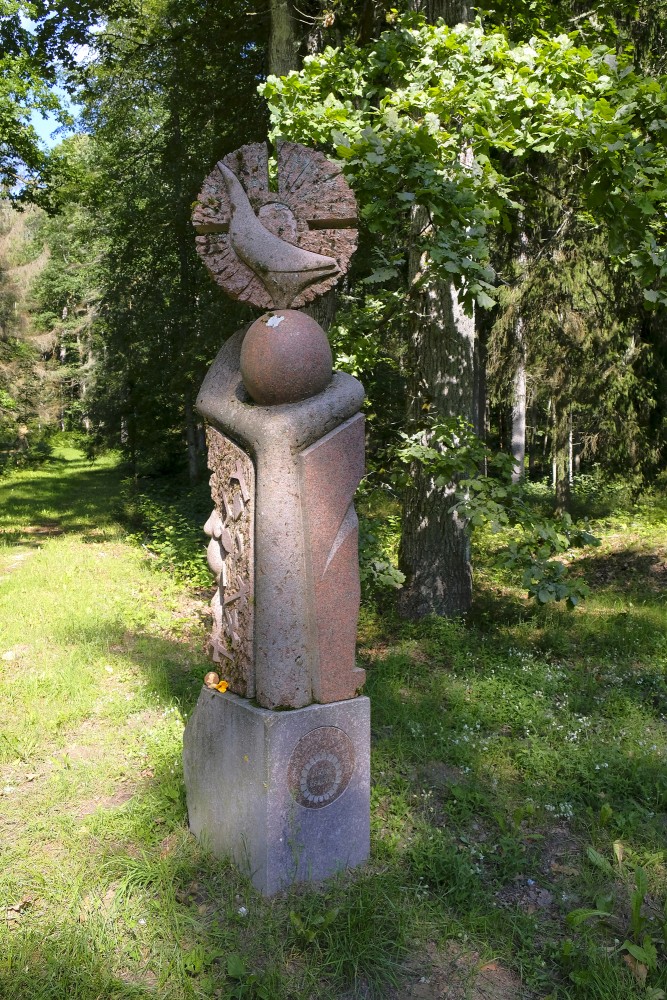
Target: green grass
<point>511,756</point>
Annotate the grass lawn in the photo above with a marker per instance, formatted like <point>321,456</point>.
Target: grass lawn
<point>519,800</point>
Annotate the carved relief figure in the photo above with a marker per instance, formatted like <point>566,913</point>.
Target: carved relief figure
<point>230,558</point>
<point>276,249</point>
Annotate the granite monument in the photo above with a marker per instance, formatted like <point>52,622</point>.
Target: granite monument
<point>277,765</point>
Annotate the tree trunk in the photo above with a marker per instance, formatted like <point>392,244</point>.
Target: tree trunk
<point>518,444</point>
<point>570,455</point>
<point>480,388</point>
<point>435,547</point>
<point>323,308</point>
<point>531,437</point>
<point>480,393</point>
<point>561,454</point>
<point>283,40</point>
<point>191,439</point>
<point>450,11</point>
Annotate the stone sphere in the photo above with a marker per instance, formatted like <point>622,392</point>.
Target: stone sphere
<point>285,357</point>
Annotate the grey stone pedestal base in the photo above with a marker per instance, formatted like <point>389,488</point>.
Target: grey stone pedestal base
<point>286,795</point>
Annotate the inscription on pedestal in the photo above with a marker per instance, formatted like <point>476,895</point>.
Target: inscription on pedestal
<point>320,767</point>
<point>230,558</point>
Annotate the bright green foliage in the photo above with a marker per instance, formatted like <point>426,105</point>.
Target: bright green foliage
<point>169,528</point>
<point>65,296</point>
<point>28,385</point>
<point>23,89</point>
<point>377,555</point>
<point>445,118</point>
<point>593,353</point>
<point>644,936</point>
<point>122,244</point>
<point>640,21</point>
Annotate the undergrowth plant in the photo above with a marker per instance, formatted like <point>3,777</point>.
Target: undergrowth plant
<point>531,541</point>
<point>640,936</point>
<point>169,533</point>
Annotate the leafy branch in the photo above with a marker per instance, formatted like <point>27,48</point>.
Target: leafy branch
<point>399,116</point>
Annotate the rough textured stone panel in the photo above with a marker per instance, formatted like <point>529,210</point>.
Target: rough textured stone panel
<point>230,558</point>
<point>331,470</point>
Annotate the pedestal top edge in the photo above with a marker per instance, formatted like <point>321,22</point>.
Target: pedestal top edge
<point>272,715</point>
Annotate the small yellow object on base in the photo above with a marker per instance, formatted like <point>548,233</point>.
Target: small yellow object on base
<point>211,680</point>
<point>222,686</point>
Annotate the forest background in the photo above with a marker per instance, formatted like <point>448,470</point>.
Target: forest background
<point>510,279</point>
<point>506,314</point>
<point>508,295</point>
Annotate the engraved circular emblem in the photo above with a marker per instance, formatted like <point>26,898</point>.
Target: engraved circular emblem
<point>276,249</point>
<point>320,767</point>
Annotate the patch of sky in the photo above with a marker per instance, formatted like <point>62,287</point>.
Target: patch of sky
<point>47,125</point>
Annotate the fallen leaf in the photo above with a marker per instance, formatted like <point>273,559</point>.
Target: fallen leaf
<point>638,970</point>
<point>86,908</point>
<point>168,845</point>
<point>15,912</point>
<point>564,869</point>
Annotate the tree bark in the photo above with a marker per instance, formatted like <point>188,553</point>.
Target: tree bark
<point>480,388</point>
<point>570,450</point>
<point>283,39</point>
<point>531,439</point>
<point>518,443</point>
<point>561,454</point>
<point>435,547</point>
<point>191,439</point>
<point>323,308</point>
<point>450,11</point>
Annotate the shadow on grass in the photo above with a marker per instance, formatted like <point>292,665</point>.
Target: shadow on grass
<point>178,912</point>
<point>171,670</point>
<point>627,571</point>
<point>162,907</point>
<point>450,833</point>
<point>622,618</point>
<point>65,963</point>
<point>62,496</point>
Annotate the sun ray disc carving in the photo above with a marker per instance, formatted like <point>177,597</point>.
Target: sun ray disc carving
<point>276,250</point>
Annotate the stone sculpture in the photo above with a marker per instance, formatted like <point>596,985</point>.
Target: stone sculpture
<point>284,793</point>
